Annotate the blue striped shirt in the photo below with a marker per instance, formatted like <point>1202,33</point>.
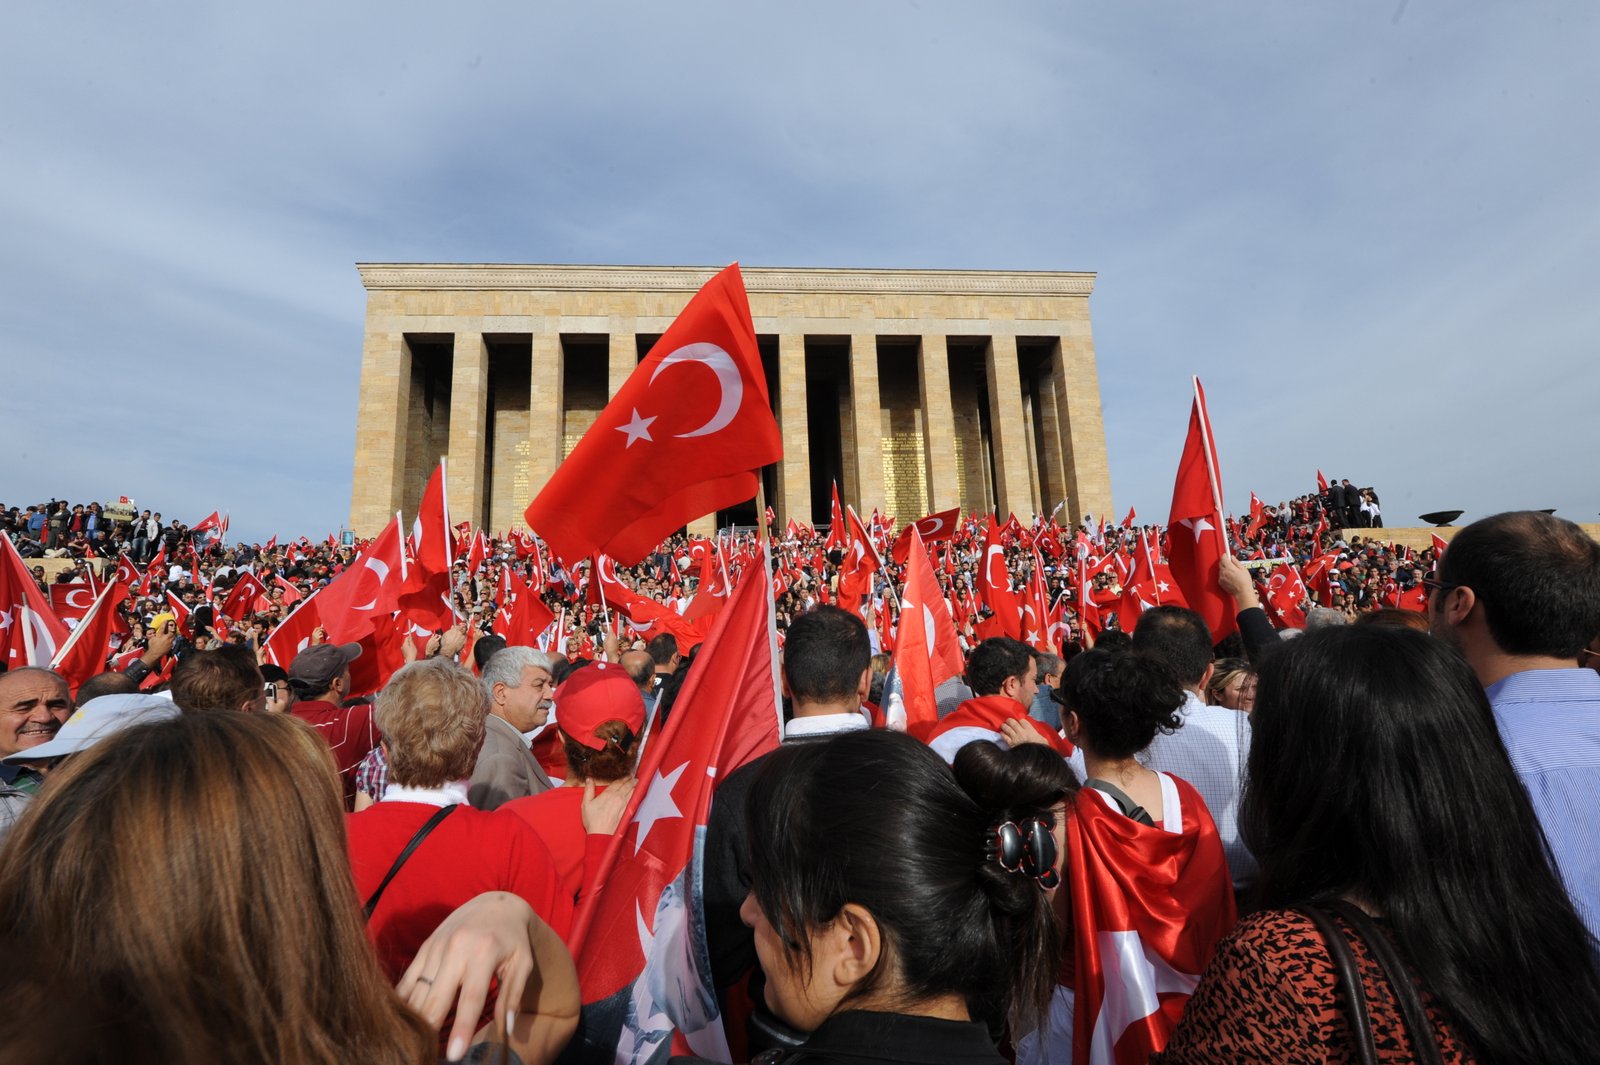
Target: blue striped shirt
<point>1549,720</point>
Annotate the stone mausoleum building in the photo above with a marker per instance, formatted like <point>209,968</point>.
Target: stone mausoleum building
<point>917,390</point>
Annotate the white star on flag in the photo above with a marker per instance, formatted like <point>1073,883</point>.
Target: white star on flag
<point>637,428</point>
<point>1197,526</point>
<point>657,804</point>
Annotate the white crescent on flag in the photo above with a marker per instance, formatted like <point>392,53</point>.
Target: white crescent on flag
<point>730,384</point>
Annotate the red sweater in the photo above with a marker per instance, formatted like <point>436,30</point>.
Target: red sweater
<point>468,853</point>
<point>557,817</point>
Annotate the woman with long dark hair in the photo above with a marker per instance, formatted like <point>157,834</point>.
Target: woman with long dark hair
<point>1402,871</point>
<point>899,905</point>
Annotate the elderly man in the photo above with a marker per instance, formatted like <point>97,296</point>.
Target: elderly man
<point>1518,594</point>
<point>517,681</point>
<point>34,704</point>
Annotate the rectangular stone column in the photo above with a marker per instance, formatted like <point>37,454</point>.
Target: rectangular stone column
<point>1052,463</point>
<point>706,527</point>
<point>545,410</point>
<point>866,416</point>
<point>382,418</point>
<point>794,472</point>
<point>1008,431</point>
<point>1086,472</point>
<point>938,425</point>
<point>469,415</point>
<point>624,357</point>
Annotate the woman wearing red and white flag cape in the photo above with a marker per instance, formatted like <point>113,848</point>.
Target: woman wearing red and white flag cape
<point>1145,874</point>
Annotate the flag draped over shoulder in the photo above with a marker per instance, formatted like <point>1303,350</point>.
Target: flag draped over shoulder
<point>639,940</point>
<point>1148,908</point>
<point>1196,540</point>
<point>684,436</point>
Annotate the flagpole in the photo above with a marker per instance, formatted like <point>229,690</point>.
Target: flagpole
<point>764,552</point>
<point>1211,466</point>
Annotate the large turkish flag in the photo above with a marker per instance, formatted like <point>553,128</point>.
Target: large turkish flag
<point>685,436</point>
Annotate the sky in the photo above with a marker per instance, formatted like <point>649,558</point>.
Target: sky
<point>1372,229</point>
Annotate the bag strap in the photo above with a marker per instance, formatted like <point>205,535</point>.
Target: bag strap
<point>1123,800</point>
<point>1348,978</point>
<point>416,841</point>
<point>1419,1030</point>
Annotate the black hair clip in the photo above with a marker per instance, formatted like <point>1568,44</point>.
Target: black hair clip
<point>1025,847</point>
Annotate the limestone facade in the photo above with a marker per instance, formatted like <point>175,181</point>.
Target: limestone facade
<point>915,390</point>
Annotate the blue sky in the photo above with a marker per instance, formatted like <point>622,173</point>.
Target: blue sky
<point>1372,229</point>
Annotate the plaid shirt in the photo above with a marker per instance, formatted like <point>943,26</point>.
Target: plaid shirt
<point>372,775</point>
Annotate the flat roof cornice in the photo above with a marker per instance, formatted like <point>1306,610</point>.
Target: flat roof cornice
<point>491,276</point>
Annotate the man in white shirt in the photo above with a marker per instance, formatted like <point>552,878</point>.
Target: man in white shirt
<point>1211,748</point>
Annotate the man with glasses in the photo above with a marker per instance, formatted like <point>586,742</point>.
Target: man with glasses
<point>1519,595</point>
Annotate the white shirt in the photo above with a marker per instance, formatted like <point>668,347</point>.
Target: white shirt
<point>1210,752</point>
<point>826,724</point>
<point>452,794</point>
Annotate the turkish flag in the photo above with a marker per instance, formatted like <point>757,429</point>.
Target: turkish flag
<point>293,633</point>
<point>605,585</point>
<point>1148,908</point>
<point>934,527</point>
<point>1286,592</point>
<point>994,582</point>
<point>352,604</point>
<point>1195,539</point>
<point>1036,610</point>
<point>1414,598</point>
<point>1127,523</point>
<point>1439,544</point>
<point>1151,583</point>
<point>291,594</point>
<point>861,561</point>
<point>84,653</point>
<point>71,602</point>
<point>981,719</point>
<point>1319,577</point>
<point>639,938</point>
<point>522,617</point>
<point>926,651</point>
<point>30,632</point>
<point>684,436</point>
<point>1258,518</point>
<point>127,572</point>
<point>1088,611</point>
<point>242,598</point>
<point>156,572</point>
<point>1322,482</point>
<point>181,612</point>
<point>838,535</point>
<point>426,597</point>
<point>715,586</point>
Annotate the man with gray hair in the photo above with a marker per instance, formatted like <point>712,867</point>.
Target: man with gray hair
<point>1045,708</point>
<point>517,681</point>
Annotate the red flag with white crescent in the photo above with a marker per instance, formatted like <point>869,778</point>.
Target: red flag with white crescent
<point>1286,597</point>
<point>926,651</point>
<point>30,632</point>
<point>426,596</point>
<point>352,604</point>
<point>84,653</point>
<point>684,436</point>
<point>1195,537</point>
<point>1149,904</point>
<point>639,939</point>
<point>994,584</point>
<point>71,602</point>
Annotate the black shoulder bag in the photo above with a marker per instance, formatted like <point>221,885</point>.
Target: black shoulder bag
<point>1419,1031</point>
<point>416,841</point>
<point>1123,800</point>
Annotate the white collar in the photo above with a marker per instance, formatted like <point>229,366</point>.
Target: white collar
<point>1191,702</point>
<point>825,725</point>
<point>453,793</point>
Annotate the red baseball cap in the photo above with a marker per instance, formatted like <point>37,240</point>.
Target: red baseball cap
<point>593,695</point>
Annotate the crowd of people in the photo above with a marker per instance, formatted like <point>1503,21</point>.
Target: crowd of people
<point>1364,837</point>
